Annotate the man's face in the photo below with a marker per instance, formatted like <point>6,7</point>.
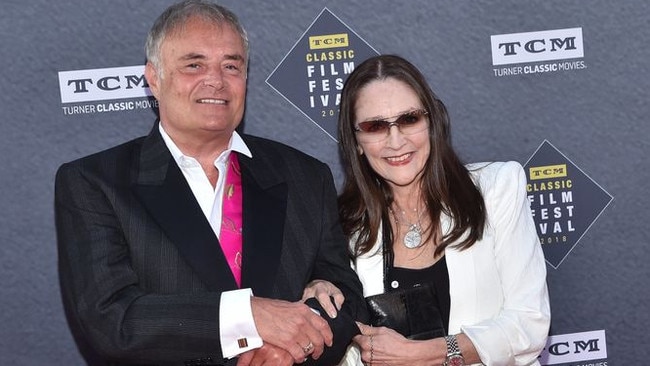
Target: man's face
<point>201,81</point>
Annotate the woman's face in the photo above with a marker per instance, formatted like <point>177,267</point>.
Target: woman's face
<point>398,156</point>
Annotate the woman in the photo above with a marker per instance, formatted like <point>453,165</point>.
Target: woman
<point>417,216</point>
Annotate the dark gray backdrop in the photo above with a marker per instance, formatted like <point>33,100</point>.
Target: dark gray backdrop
<point>597,117</point>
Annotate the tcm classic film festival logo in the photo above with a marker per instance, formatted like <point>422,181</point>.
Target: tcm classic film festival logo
<point>104,90</point>
<point>312,74</point>
<point>537,52</point>
<point>565,201</point>
<point>576,349</point>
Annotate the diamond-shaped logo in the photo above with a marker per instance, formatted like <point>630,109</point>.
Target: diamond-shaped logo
<point>564,200</point>
<point>312,74</point>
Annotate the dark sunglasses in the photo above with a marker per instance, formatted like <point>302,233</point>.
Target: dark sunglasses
<point>382,126</point>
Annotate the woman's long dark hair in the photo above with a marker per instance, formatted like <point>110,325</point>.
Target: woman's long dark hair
<point>446,184</point>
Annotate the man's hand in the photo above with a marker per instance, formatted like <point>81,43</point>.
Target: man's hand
<point>292,326</point>
<point>323,291</point>
<point>267,355</point>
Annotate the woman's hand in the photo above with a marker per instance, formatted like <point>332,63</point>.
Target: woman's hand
<point>324,292</point>
<point>266,355</point>
<point>384,346</point>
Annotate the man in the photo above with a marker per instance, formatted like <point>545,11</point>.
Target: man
<point>192,245</point>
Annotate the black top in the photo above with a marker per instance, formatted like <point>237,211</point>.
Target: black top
<point>435,276</point>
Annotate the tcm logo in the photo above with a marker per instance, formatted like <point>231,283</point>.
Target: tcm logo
<point>103,84</point>
<point>547,172</point>
<point>556,44</point>
<point>328,41</point>
<point>575,347</point>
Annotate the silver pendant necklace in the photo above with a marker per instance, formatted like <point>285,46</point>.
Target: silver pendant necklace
<point>413,236</point>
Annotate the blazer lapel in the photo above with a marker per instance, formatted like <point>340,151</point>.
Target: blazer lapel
<point>264,211</point>
<point>163,190</point>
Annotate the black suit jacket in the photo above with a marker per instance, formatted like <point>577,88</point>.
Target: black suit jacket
<point>141,270</point>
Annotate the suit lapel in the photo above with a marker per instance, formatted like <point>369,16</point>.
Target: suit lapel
<point>264,211</point>
<point>163,190</point>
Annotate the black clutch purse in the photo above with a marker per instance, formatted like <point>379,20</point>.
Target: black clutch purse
<point>412,312</point>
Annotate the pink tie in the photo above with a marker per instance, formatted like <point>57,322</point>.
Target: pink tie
<point>230,236</point>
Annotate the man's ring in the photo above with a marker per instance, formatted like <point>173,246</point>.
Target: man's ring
<point>308,348</point>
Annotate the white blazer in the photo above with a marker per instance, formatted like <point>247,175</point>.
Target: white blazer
<point>498,291</point>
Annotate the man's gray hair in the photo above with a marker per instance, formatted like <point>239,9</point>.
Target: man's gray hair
<point>177,15</point>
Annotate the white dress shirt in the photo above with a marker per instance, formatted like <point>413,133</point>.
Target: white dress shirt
<point>235,313</point>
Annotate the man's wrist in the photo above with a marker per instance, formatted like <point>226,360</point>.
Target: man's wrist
<point>237,330</point>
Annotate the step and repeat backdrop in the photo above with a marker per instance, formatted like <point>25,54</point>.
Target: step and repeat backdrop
<point>560,86</point>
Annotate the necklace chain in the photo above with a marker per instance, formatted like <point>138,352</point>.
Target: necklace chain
<point>413,236</point>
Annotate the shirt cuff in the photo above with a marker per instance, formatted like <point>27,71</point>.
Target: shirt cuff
<point>237,330</point>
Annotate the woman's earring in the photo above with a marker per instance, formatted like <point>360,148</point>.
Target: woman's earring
<point>360,150</point>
